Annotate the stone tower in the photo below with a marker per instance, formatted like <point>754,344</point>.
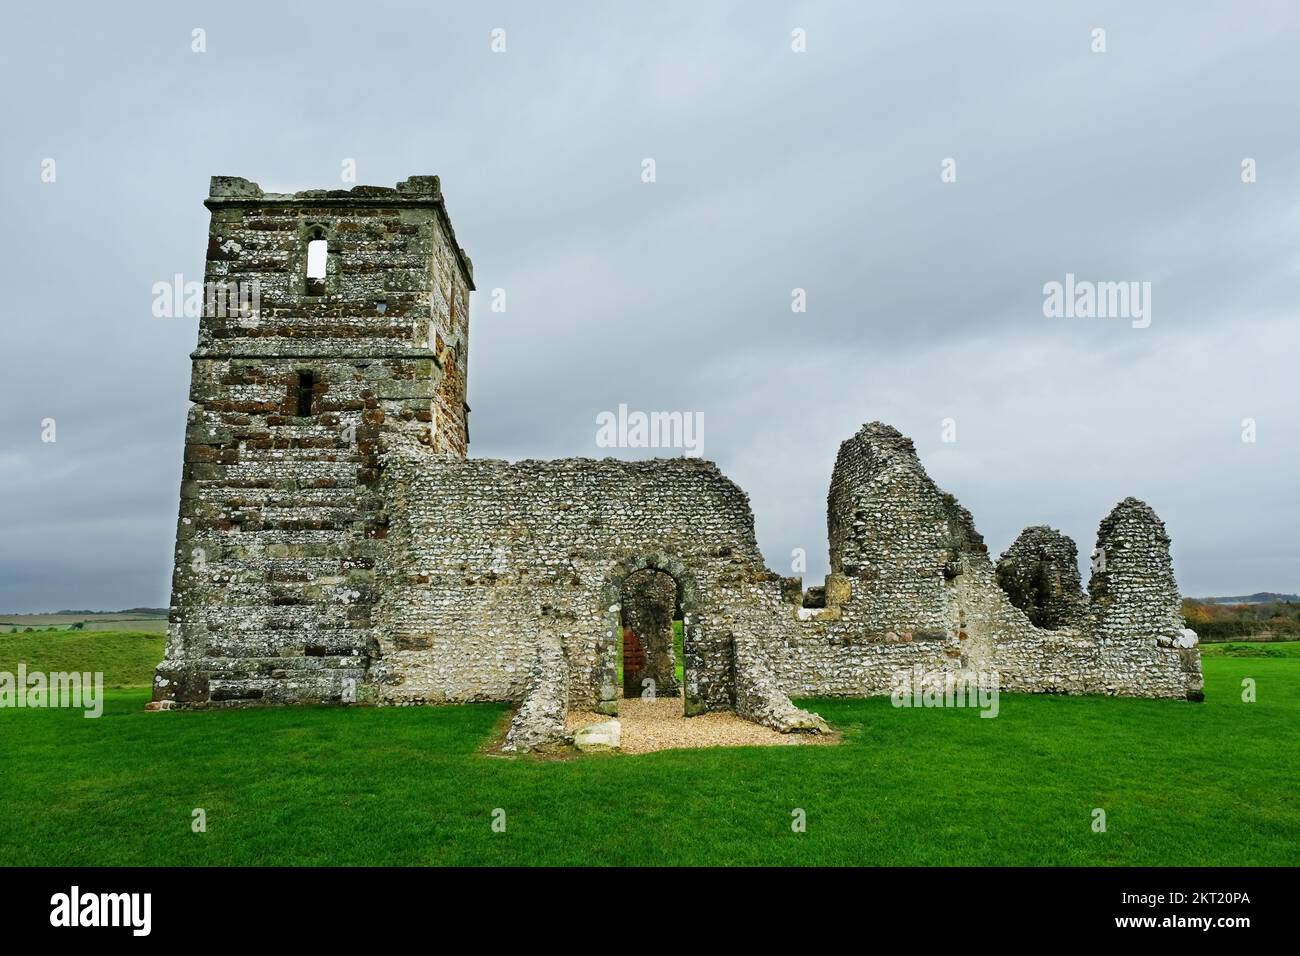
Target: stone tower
<point>352,343</point>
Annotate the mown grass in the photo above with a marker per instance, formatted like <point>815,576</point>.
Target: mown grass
<point>1180,783</point>
<point>1252,649</point>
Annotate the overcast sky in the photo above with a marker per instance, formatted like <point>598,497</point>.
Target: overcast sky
<point>775,170</point>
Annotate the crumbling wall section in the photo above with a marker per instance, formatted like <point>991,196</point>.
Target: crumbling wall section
<point>540,720</point>
<point>1040,574</point>
<point>1134,600</point>
<point>760,697</point>
<point>894,535</point>
<point>912,586</point>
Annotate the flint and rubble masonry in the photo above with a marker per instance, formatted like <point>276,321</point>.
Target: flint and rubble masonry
<point>335,544</point>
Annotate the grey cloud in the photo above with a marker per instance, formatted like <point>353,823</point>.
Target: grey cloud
<point>775,171</point>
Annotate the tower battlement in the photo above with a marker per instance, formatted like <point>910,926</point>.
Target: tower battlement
<point>356,276</point>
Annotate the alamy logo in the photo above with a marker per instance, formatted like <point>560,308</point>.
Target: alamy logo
<point>684,430</point>
<point>1098,300</point>
<point>946,688</point>
<point>241,301</point>
<point>102,909</point>
<point>58,689</point>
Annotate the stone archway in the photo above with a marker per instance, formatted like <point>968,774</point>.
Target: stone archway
<point>687,608</point>
<point>649,608</point>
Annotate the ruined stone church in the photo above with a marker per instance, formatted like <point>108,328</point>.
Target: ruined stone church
<point>336,544</point>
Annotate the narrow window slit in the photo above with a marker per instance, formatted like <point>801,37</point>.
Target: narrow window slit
<point>317,257</point>
<point>306,383</point>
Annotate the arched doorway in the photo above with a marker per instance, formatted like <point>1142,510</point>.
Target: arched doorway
<point>688,669</point>
<point>652,635</point>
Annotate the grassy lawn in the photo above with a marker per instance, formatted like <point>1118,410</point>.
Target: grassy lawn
<point>1181,783</point>
<point>1289,649</point>
<point>125,658</point>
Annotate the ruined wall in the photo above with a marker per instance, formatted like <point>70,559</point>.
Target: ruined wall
<point>893,532</point>
<point>280,516</point>
<point>540,718</point>
<point>1134,598</point>
<point>912,585</point>
<point>1040,574</point>
<point>484,556</point>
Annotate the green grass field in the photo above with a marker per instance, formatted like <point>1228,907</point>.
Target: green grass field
<point>1251,649</point>
<point>1181,784</point>
<point>125,658</point>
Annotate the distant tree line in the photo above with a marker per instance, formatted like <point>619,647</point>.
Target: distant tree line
<point>1222,622</point>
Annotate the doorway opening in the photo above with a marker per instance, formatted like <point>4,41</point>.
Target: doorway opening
<point>655,596</point>
<point>651,659</point>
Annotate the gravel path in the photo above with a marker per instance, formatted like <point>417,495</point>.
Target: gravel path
<point>648,726</point>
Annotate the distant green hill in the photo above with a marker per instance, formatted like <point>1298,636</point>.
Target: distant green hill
<point>1260,597</point>
<point>129,610</point>
<point>153,620</point>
